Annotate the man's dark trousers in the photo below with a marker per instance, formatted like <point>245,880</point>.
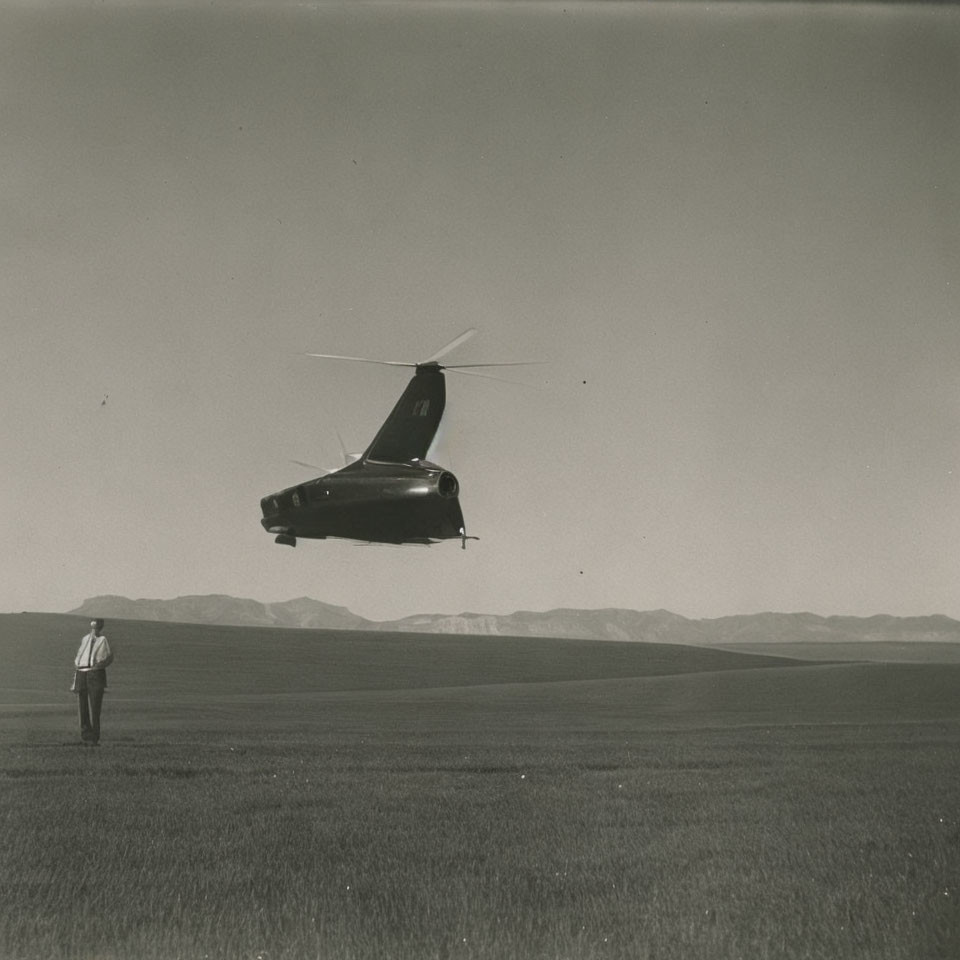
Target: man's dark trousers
<point>90,687</point>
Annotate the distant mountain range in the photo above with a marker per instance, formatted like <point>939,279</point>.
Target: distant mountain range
<point>659,626</point>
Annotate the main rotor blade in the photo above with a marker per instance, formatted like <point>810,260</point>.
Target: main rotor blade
<point>443,351</point>
<point>486,376</point>
<point>507,363</point>
<point>387,363</point>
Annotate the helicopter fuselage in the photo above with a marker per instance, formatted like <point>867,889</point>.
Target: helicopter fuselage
<point>413,502</point>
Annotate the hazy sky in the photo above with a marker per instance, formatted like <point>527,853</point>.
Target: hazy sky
<point>734,232</point>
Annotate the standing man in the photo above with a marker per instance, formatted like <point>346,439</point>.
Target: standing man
<point>90,681</point>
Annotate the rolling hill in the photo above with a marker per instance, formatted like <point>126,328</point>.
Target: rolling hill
<point>363,678</point>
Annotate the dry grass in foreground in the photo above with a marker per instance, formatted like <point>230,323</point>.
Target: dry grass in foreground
<point>757,843</point>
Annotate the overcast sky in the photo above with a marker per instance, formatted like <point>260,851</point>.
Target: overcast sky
<point>733,231</point>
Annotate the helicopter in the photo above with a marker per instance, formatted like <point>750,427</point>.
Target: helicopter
<point>390,494</point>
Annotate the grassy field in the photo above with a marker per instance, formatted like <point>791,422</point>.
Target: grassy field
<point>294,794</point>
<point>886,651</point>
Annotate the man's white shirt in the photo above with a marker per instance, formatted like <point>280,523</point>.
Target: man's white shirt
<point>92,659</point>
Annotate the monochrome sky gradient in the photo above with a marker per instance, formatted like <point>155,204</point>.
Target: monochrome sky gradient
<point>733,231</point>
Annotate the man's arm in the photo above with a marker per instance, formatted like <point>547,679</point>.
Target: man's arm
<point>107,655</point>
